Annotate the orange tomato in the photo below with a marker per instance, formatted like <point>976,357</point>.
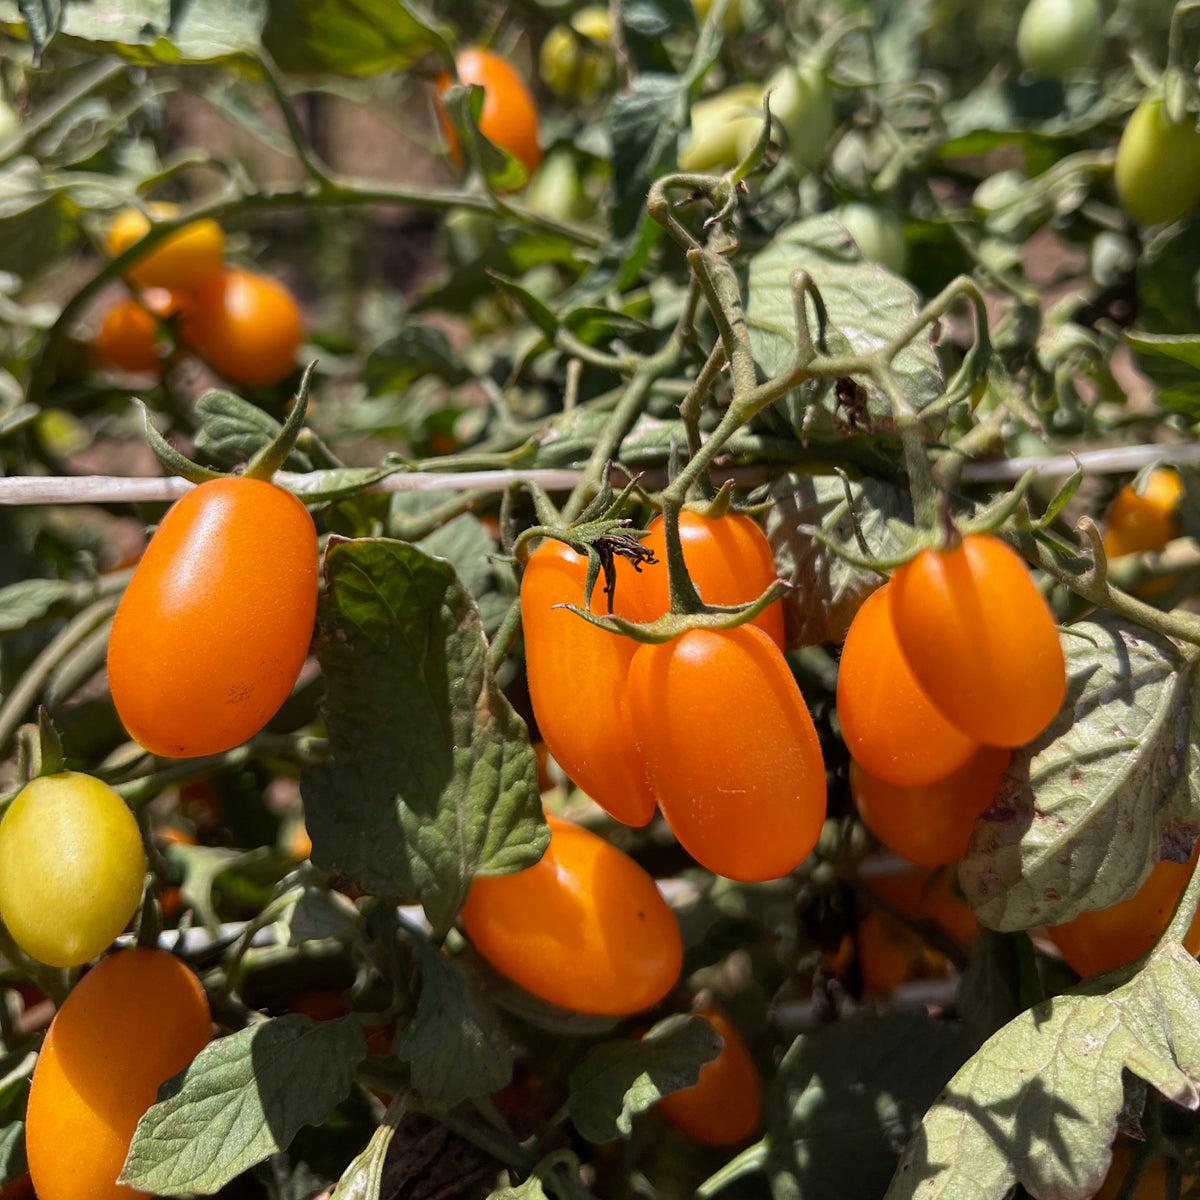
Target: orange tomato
<point>585,928</point>
<point>1104,938</point>
<point>729,560</point>
<point>931,824</point>
<point>730,749</point>
<point>577,676</point>
<point>1145,522</point>
<point>724,1107</point>
<point>129,1025</point>
<point>216,622</point>
<point>184,259</point>
<point>128,338</point>
<point>244,325</point>
<point>927,895</point>
<point>980,639</point>
<point>1151,1186</point>
<point>509,118</point>
<point>890,953</point>
<point>889,724</point>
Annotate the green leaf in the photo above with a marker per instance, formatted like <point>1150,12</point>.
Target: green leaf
<point>416,351</point>
<point>827,591</point>
<point>43,19</point>
<point>431,778</point>
<point>1089,806</point>
<point>845,1101</point>
<point>243,1098</point>
<point>616,1080</point>
<point>16,1069</point>
<point>866,306</point>
<point>657,18</point>
<point>1038,1104</point>
<point>1172,362</point>
<point>454,1042</point>
<point>315,913</point>
<point>233,431</point>
<point>30,600</point>
<point>351,37</point>
<point>324,487</point>
<point>531,1189</point>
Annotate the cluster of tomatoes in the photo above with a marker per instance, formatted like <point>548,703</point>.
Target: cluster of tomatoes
<point>243,324</point>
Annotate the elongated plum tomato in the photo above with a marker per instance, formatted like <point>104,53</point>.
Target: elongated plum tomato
<point>724,1106</point>
<point>1145,522</point>
<point>889,724</point>
<point>980,639</point>
<point>509,118</point>
<point>930,824</point>
<point>585,928</point>
<point>216,622</point>
<point>71,868</point>
<point>577,675</point>
<point>244,325</point>
<point>1103,938</point>
<point>728,559</point>
<point>1157,171</point>
<point>128,1026</point>
<point>731,751</point>
<point>183,259</point>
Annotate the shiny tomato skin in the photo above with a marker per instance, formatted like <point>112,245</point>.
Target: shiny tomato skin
<point>584,928</point>
<point>128,1026</point>
<point>509,118</point>
<point>724,1107</point>
<point>980,639</point>
<point>183,259</point>
<point>216,622</point>
<point>246,326</point>
<point>728,559</point>
<point>577,675</point>
<point>1103,938</point>
<point>128,338</point>
<point>890,726</point>
<point>1157,171</point>
<point>1145,522</point>
<point>730,749</point>
<point>931,824</point>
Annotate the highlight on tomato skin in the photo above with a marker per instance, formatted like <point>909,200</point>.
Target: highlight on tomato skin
<point>731,750</point>
<point>183,259</point>
<point>891,727</point>
<point>1144,522</point>
<point>584,928</point>
<point>930,825</point>
<point>724,1107</point>
<point>215,625</point>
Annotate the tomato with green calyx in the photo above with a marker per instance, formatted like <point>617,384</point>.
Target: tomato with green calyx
<point>1059,37</point>
<point>1103,938</point>
<point>1147,521</point>
<point>128,338</point>
<point>127,1027</point>
<point>980,639</point>
<point>585,928</point>
<point>878,232</point>
<point>575,61</point>
<point>723,130</point>
<point>245,325</point>
<point>577,676</point>
<point>802,102</point>
<point>183,259</point>
<point>930,824</point>
<point>216,622</point>
<point>730,750</point>
<point>1157,171</point>
<point>71,868</point>
<point>728,559</point>
<point>509,118</point>
<point>889,724</point>
<point>724,1106</point>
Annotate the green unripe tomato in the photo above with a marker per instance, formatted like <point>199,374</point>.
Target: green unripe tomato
<point>802,102</point>
<point>1157,171</point>
<point>1056,37</point>
<point>556,190</point>
<point>71,868</point>
<point>575,62</point>
<point>878,232</point>
<point>724,128</point>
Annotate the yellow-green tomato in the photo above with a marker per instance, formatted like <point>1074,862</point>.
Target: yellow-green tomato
<point>1056,37</point>
<point>71,868</point>
<point>878,232</point>
<point>1157,171</point>
<point>575,61</point>
<point>556,190</point>
<point>802,102</point>
<point>724,128</point>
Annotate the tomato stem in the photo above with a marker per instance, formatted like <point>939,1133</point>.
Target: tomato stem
<point>171,459</point>
<point>272,456</point>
